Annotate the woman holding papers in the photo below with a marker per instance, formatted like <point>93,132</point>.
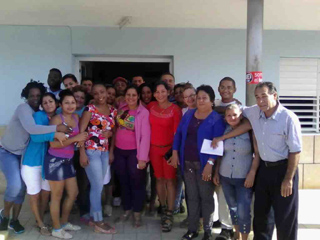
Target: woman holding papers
<point>196,126</point>
<point>236,173</point>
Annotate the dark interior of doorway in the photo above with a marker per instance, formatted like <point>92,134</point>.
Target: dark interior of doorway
<point>107,71</point>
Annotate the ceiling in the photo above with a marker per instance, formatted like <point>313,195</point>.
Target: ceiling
<point>278,14</point>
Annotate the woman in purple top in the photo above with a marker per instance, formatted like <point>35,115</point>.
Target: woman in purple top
<point>132,144</point>
<point>58,167</point>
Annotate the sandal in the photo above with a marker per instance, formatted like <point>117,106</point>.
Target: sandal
<point>104,228</point>
<point>137,220</point>
<point>44,230</point>
<point>123,218</point>
<point>167,221</point>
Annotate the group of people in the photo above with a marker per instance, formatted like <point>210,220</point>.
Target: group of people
<point>78,144</point>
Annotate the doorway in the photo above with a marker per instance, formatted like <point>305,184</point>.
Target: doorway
<point>105,69</point>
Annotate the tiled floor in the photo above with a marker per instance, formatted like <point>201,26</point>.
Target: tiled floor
<point>309,225</point>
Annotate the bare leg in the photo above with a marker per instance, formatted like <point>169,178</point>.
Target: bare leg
<point>171,188</point>
<point>7,209</point>
<point>34,203</point>
<point>56,195</point>
<point>71,195</point>
<point>237,233</point>
<point>161,190</point>
<point>244,236</point>
<point>44,199</point>
<point>16,211</point>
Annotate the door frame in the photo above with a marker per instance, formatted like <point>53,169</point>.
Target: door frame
<point>119,58</point>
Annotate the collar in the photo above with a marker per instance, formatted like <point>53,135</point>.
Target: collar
<point>275,115</point>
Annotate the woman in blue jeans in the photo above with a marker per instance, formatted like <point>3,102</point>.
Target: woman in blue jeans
<point>98,120</point>
<point>13,144</point>
<point>236,172</point>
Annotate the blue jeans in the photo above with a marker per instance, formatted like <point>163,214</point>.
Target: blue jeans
<point>239,199</point>
<point>179,191</point>
<point>96,170</point>
<point>10,165</point>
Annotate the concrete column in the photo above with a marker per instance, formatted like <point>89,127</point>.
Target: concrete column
<point>254,44</point>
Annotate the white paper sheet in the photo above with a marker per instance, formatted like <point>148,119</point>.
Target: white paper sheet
<point>206,148</point>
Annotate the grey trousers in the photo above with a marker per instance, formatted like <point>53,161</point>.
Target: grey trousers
<point>199,197</point>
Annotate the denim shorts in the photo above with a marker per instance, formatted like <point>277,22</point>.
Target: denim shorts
<point>57,168</point>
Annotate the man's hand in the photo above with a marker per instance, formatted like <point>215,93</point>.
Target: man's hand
<point>286,188</point>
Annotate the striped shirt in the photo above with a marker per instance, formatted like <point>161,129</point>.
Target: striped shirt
<point>237,157</point>
<point>278,135</point>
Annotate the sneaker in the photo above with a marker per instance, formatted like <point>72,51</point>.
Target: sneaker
<point>225,234</point>
<point>117,202</point>
<point>216,224</point>
<point>44,230</point>
<point>207,236</point>
<point>108,210</point>
<point>16,226</point>
<point>189,235</point>
<point>61,233</point>
<point>71,227</point>
<point>3,222</point>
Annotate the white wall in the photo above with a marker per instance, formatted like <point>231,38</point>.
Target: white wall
<point>200,55</point>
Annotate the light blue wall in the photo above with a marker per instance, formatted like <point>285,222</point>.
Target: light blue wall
<point>200,55</point>
<point>29,52</point>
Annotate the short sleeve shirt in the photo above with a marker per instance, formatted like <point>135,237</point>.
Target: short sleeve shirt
<point>278,135</point>
<point>99,122</point>
<point>237,157</point>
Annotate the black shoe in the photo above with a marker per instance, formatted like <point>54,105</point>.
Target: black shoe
<point>182,209</point>
<point>225,235</point>
<point>216,224</point>
<point>189,235</point>
<point>16,226</point>
<point>207,236</point>
<point>3,223</point>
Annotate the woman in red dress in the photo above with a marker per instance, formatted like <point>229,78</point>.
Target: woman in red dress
<point>164,120</point>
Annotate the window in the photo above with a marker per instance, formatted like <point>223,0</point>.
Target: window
<point>300,90</point>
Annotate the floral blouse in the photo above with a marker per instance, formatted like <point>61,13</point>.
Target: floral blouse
<point>99,122</point>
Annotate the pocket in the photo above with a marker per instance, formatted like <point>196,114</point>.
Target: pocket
<point>91,152</point>
<point>277,139</point>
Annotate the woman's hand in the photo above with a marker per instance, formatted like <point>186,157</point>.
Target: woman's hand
<point>215,141</point>
<point>60,136</point>
<point>63,128</point>
<point>80,144</point>
<point>248,183</point>
<point>84,160</point>
<point>111,157</point>
<point>207,172</point>
<point>81,137</point>
<point>142,164</point>
<point>107,134</point>
<point>174,160</point>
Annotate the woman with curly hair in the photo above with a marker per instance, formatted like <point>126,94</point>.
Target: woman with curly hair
<point>13,144</point>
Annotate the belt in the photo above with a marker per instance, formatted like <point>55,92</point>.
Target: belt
<point>275,164</point>
<point>161,146</point>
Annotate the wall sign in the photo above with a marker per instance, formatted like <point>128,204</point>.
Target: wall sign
<point>254,77</point>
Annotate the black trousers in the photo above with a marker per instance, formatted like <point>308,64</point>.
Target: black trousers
<point>268,197</point>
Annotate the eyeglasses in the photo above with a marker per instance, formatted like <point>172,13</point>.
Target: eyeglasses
<point>191,96</point>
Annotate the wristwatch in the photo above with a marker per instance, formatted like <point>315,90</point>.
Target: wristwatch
<point>210,162</point>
